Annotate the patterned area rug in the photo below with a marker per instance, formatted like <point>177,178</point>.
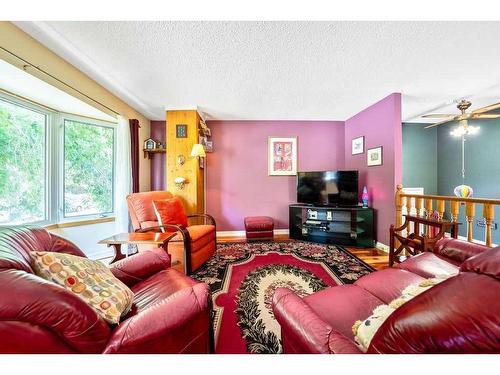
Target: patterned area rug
<point>244,276</point>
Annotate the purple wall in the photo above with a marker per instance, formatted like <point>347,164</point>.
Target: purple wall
<point>237,183</point>
<point>380,124</point>
<point>158,162</point>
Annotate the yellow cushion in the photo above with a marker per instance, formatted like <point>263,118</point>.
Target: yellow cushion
<point>89,279</point>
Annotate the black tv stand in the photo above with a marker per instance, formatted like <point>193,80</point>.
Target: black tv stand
<point>349,226</point>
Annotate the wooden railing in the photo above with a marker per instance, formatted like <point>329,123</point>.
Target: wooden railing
<point>426,205</point>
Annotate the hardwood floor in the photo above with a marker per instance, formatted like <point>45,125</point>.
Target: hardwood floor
<point>376,258</point>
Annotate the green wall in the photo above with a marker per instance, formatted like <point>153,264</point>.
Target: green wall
<point>420,167</point>
<point>482,164</point>
<point>482,167</point>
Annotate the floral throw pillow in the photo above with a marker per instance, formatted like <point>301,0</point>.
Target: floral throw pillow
<point>89,279</point>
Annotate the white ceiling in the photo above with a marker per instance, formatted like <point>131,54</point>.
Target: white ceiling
<point>283,70</point>
<point>17,81</point>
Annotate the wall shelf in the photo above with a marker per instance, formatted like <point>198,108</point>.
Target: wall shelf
<point>150,152</point>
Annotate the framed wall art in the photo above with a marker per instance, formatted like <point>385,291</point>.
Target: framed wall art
<point>282,156</point>
<point>181,131</point>
<point>358,145</point>
<point>374,156</point>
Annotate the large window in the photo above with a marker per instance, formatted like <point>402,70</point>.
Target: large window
<point>53,167</point>
<point>88,168</point>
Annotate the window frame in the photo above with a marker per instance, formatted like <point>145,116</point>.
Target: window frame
<point>91,122</point>
<point>48,146</point>
<point>54,160</point>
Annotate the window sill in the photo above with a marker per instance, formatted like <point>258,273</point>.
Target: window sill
<point>79,223</point>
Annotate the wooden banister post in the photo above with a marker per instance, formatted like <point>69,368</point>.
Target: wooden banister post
<point>399,205</point>
<point>454,208</point>
<point>440,208</point>
<point>418,205</point>
<point>428,214</point>
<point>488,214</point>
<point>399,210</point>
<point>470,211</point>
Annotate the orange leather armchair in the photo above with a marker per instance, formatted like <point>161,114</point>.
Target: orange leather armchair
<point>194,244</point>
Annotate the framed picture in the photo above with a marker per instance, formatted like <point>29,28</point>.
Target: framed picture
<point>181,131</point>
<point>209,146</point>
<point>282,156</point>
<point>374,156</point>
<point>358,146</point>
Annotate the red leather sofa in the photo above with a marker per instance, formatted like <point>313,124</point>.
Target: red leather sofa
<point>170,313</point>
<point>459,315</point>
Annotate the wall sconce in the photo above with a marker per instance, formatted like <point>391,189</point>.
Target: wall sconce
<point>181,159</point>
<point>199,152</point>
<point>180,182</point>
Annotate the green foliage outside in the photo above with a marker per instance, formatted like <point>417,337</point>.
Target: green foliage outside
<point>88,169</point>
<point>88,166</point>
<point>22,164</point>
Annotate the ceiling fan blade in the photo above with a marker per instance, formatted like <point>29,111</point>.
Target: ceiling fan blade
<point>488,108</point>
<point>439,123</point>
<point>484,116</point>
<point>438,115</point>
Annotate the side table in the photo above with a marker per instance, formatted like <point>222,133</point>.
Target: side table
<point>147,238</point>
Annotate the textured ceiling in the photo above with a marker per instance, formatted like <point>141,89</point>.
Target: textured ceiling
<point>282,70</point>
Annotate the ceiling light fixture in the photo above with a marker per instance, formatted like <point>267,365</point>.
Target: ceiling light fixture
<point>461,131</point>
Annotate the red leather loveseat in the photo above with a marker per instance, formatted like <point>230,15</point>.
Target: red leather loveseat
<point>170,313</point>
<point>459,315</point>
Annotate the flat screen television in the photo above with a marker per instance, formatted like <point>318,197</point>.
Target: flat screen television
<point>328,188</point>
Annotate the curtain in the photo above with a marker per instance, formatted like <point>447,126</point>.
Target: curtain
<point>134,152</point>
<point>123,175</point>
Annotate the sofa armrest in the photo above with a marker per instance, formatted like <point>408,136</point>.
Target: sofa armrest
<point>30,299</point>
<point>309,333</point>
<point>339,344</point>
<point>141,266</point>
<point>458,250</point>
<point>175,312</point>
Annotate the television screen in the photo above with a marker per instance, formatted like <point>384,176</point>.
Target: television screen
<point>335,188</point>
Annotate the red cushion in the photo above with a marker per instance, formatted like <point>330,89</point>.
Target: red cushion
<point>170,211</point>
<point>428,265</point>
<point>341,306</point>
<point>487,263</point>
<point>387,284</point>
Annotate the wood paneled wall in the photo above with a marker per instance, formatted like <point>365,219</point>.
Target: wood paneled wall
<point>193,194</point>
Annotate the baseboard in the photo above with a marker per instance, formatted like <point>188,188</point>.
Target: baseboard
<point>383,247</point>
<point>241,233</point>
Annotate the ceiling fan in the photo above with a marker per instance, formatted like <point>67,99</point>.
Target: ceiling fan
<point>463,130</point>
<point>463,117</point>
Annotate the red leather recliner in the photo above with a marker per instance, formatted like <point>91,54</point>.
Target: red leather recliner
<point>170,313</point>
<point>191,248</point>
<point>459,315</point>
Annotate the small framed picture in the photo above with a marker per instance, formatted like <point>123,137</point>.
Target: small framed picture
<point>374,156</point>
<point>358,146</point>
<point>282,156</point>
<point>181,131</point>
<point>209,146</point>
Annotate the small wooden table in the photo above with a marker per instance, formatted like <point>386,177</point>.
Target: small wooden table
<point>415,242</point>
<point>146,238</point>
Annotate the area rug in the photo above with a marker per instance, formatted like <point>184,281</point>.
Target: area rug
<point>244,276</point>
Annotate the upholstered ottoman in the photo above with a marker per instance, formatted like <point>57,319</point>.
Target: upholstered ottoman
<point>259,228</point>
